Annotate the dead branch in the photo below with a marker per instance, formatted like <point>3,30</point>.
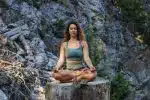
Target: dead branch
<point>26,45</point>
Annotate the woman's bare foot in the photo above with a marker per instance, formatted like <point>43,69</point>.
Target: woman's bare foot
<point>55,81</point>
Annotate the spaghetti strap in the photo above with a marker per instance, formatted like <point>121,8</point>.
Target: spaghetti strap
<point>66,49</point>
<point>80,43</point>
<point>66,44</point>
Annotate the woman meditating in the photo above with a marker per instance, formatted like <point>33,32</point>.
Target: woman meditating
<point>74,50</point>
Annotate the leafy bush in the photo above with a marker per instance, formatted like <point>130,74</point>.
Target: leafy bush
<point>119,87</point>
<point>132,10</point>
<point>134,14</point>
<point>94,52</point>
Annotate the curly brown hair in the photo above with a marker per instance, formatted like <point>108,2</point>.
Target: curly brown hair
<point>80,33</point>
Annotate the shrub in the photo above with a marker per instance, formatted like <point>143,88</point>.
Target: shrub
<point>94,51</point>
<point>119,87</point>
<point>133,13</point>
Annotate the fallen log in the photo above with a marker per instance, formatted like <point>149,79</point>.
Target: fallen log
<point>98,89</point>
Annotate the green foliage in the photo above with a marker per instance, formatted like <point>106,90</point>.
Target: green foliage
<point>120,87</point>
<point>132,11</point>
<point>93,45</point>
<point>95,54</point>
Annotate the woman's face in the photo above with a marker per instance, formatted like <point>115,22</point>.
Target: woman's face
<point>73,30</point>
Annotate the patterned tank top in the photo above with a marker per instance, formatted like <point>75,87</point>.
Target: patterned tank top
<point>75,54</point>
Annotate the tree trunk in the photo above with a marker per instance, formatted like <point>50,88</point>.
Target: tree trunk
<point>95,90</point>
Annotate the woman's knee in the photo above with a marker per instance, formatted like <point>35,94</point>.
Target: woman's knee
<point>62,76</point>
<point>56,75</point>
<point>90,76</point>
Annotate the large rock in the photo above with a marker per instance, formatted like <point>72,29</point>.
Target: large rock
<point>95,90</point>
<point>3,96</point>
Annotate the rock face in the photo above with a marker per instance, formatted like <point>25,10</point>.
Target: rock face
<point>3,96</point>
<point>96,90</point>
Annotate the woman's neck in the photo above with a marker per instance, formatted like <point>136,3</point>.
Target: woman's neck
<point>73,39</point>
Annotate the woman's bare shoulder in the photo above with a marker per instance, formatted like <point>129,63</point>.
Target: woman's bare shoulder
<point>83,43</point>
<point>64,44</point>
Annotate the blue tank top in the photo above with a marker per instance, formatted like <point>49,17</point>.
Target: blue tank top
<point>74,53</point>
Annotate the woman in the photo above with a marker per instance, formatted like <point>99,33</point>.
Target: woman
<point>74,50</point>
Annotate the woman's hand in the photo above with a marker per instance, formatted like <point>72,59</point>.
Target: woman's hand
<point>93,69</point>
<point>55,69</point>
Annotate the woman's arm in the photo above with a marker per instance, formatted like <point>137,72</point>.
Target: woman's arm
<point>61,57</point>
<point>86,55</point>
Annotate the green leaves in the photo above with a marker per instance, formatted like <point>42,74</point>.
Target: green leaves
<point>133,11</point>
<point>119,87</point>
<point>94,53</point>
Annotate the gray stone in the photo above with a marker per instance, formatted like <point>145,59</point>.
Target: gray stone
<point>132,78</point>
<point>51,63</point>
<point>17,30</point>
<point>41,60</point>
<point>3,96</point>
